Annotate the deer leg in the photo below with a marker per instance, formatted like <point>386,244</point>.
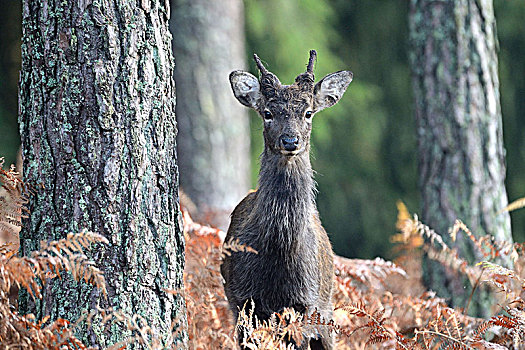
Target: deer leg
<point>324,342</point>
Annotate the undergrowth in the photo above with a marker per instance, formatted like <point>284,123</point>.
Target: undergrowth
<point>377,304</point>
<point>24,331</point>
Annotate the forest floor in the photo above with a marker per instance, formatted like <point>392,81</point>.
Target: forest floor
<point>378,304</point>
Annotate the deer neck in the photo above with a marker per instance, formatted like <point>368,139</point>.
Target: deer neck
<point>285,202</point>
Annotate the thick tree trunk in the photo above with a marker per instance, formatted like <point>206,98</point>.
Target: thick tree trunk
<point>97,119</point>
<point>461,155</point>
<point>214,135</point>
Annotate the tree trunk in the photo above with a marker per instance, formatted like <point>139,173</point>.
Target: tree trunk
<point>98,130</point>
<point>214,135</point>
<point>459,127</point>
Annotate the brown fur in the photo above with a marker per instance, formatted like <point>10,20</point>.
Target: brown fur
<point>294,264</point>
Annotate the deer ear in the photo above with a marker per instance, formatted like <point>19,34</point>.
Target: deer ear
<point>330,89</point>
<point>246,88</point>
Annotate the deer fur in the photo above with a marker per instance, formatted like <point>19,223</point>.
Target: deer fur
<point>294,263</point>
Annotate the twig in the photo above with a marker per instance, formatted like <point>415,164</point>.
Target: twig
<point>444,336</point>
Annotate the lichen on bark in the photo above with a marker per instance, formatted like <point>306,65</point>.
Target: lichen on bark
<point>459,128</point>
<point>97,120</point>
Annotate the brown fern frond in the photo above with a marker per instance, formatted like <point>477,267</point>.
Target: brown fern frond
<point>486,244</point>
<point>452,325</point>
<point>416,226</point>
<point>358,309</point>
<point>431,336</point>
<point>13,197</point>
<point>26,271</point>
<point>139,330</point>
<point>378,338</point>
<point>74,242</point>
<point>192,227</point>
<point>517,204</point>
<point>234,245</point>
<point>504,321</point>
<point>23,332</point>
<point>371,273</point>
<point>482,329</point>
<point>376,326</point>
<point>50,260</point>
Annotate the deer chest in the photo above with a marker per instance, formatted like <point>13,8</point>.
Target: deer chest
<point>277,279</point>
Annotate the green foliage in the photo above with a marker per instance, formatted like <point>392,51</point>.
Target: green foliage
<point>364,147</point>
<point>10,18</point>
<point>511,33</point>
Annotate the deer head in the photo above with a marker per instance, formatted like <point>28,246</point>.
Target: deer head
<point>288,110</point>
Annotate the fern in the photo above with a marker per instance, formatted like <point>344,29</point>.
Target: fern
<point>373,311</point>
<point>235,246</point>
<point>517,204</point>
<point>13,198</point>
<point>26,272</point>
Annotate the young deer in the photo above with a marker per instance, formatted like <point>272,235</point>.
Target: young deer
<point>294,264</point>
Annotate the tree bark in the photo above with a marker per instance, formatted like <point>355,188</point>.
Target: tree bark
<point>459,128</point>
<point>214,135</point>
<point>97,120</point>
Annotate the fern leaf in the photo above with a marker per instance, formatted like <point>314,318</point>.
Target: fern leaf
<point>517,204</point>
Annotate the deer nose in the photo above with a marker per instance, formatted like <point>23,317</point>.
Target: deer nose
<point>289,143</point>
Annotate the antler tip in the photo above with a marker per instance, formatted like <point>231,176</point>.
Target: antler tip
<point>259,64</point>
<point>311,61</point>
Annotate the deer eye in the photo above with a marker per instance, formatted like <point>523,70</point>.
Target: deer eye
<point>267,115</point>
<point>308,114</point>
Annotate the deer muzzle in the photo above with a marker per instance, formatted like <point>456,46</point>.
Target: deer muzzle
<point>289,144</point>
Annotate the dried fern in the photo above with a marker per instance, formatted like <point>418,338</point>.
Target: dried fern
<point>233,246</point>
<point>371,273</point>
<point>209,318</point>
<point>19,331</point>
<point>517,204</point>
<point>13,198</point>
<point>283,330</point>
<point>369,315</point>
<point>26,272</point>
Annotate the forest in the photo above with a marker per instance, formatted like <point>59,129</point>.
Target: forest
<point>123,152</point>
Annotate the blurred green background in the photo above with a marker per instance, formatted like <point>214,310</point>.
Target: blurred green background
<point>364,148</point>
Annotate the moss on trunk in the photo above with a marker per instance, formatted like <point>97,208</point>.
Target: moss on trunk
<point>459,128</point>
<point>97,120</point>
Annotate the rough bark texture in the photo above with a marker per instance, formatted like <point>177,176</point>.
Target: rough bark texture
<point>461,155</point>
<point>214,136</point>
<point>97,119</point>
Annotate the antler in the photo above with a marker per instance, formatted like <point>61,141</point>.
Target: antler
<point>262,68</point>
<point>311,62</point>
<point>306,80</point>
<point>269,81</point>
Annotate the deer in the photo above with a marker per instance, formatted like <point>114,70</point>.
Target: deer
<point>293,267</point>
